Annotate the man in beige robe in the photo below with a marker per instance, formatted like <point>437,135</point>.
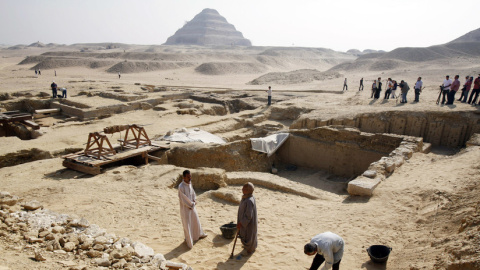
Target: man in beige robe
<point>247,219</point>
<point>191,223</point>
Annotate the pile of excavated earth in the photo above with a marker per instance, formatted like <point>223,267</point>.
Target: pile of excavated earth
<point>75,243</point>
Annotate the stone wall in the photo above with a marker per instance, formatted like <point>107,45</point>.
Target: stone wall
<point>452,129</point>
<point>235,156</point>
<point>341,151</point>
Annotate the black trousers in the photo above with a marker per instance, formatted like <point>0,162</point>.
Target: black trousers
<point>417,94</point>
<point>451,97</point>
<point>444,93</point>
<point>319,259</point>
<point>475,93</point>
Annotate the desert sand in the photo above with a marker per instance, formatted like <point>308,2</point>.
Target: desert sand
<point>418,210</point>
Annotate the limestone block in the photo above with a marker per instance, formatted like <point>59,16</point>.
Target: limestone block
<point>206,178</point>
<point>82,223</point>
<point>7,199</point>
<point>474,140</point>
<point>39,256</point>
<point>120,253</point>
<point>94,254</point>
<point>362,186</point>
<point>58,229</point>
<point>370,174</point>
<point>390,165</point>
<point>427,148</point>
<point>102,262</point>
<point>32,205</point>
<point>101,240</point>
<point>69,246</point>
<point>141,250</point>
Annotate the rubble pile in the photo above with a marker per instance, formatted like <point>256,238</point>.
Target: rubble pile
<point>48,236</point>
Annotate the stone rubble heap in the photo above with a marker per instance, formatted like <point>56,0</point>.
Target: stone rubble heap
<point>47,234</point>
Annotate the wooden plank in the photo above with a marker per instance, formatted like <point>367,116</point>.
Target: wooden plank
<point>31,124</point>
<point>154,157</point>
<point>16,118</point>
<point>81,167</point>
<point>43,111</point>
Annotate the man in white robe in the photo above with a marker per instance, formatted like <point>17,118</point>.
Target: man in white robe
<point>191,223</point>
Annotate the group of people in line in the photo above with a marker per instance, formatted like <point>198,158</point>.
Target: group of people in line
<point>328,247</point>
<point>448,89</point>
<point>391,89</point>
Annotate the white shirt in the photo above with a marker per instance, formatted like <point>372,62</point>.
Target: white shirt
<point>330,246</point>
<point>418,84</point>
<point>447,82</point>
<point>269,92</point>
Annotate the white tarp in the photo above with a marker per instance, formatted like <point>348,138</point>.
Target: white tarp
<point>194,135</point>
<point>269,144</point>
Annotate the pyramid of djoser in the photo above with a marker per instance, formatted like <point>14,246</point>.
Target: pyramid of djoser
<point>208,28</point>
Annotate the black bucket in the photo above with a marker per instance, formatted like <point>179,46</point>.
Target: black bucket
<point>229,230</point>
<point>379,253</point>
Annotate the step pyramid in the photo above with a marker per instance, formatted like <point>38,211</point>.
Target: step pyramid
<point>208,28</point>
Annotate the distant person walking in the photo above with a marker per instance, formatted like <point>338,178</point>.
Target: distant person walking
<point>55,73</point>
<point>389,89</point>
<point>36,72</point>
<point>39,73</point>
<point>345,86</point>
<point>119,75</point>
<point>54,89</point>
<point>379,88</point>
<point>269,93</point>
<point>360,88</point>
<point>374,88</point>
<point>447,83</point>
<point>475,91</point>
<point>453,90</point>
<point>468,84</point>
<point>418,89</point>
<point>404,87</point>
<point>394,89</point>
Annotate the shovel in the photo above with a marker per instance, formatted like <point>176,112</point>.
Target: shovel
<point>234,243</point>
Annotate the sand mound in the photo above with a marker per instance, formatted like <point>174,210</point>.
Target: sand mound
<point>222,68</point>
<point>51,63</point>
<point>385,64</point>
<point>294,77</point>
<point>135,67</point>
<point>414,54</point>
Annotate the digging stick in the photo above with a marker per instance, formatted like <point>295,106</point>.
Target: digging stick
<point>234,243</point>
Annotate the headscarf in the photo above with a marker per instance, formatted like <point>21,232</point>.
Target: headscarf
<point>249,188</point>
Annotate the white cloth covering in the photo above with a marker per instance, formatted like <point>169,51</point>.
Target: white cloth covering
<point>330,246</point>
<point>195,135</point>
<point>190,221</point>
<point>269,144</point>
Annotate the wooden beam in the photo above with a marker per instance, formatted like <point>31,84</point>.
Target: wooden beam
<point>81,168</point>
<point>153,157</point>
<point>31,124</point>
<point>54,110</point>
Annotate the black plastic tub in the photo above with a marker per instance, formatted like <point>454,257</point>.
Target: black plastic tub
<point>379,253</point>
<point>229,230</point>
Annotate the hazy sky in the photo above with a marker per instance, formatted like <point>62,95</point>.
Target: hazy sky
<point>339,24</point>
